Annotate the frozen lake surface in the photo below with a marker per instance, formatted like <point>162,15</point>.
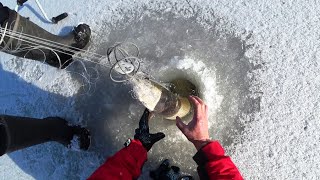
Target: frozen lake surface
<point>255,64</point>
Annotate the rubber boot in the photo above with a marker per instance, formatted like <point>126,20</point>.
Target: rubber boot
<point>4,14</point>
<point>167,172</point>
<point>40,49</point>
<point>20,132</point>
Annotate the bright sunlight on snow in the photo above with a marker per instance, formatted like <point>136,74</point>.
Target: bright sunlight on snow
<point>255,63</point>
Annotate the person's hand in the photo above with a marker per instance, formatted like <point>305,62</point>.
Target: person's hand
<point>142,133</point>
<point>197,130</point>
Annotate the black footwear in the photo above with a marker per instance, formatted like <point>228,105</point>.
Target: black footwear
<point>83,137</point>
<point>82,34</point>
<point>167,172</point>
<point>30,41</point>
<point>4,14</point>
<point>21,132</point>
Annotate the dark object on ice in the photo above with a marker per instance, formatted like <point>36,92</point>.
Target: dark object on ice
<point>83,137</point>
<point>142,133</point>
<point>20,132</point>
<point>23,38</point>
<point>21,2</point>
<point>56,19</point>
<point>4,13</point>
<point>167,172</point>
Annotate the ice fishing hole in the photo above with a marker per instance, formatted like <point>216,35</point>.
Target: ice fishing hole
<point>175,46</point>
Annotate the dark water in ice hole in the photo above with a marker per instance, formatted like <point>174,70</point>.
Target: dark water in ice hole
<point>111,112</point>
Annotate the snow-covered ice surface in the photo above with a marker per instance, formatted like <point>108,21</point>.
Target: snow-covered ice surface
<point>256,65</point>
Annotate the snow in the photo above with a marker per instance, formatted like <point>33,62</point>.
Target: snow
<point>75,143</point>
<point>255,63</point>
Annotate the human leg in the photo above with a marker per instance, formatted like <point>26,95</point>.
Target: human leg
<point>23,38</point>
<point>21,132</point>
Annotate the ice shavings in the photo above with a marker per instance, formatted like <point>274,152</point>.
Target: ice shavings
<point>206,75</point>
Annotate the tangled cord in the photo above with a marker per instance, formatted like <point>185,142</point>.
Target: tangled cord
<point>118,56</point>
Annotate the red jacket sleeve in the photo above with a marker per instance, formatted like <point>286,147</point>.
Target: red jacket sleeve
<point>213,164</point>
<point>125,164</point>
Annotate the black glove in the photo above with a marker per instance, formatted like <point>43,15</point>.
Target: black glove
<point>165,172</point>
<point>142,133</point>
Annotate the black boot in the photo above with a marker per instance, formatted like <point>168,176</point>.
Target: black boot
<point>4,14</point>
<point>39,44</point>
<point>21,132</point>
<point>167,172</point>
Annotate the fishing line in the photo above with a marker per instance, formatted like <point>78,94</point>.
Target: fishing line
<point>120,55</point>
<point>46,41</point>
